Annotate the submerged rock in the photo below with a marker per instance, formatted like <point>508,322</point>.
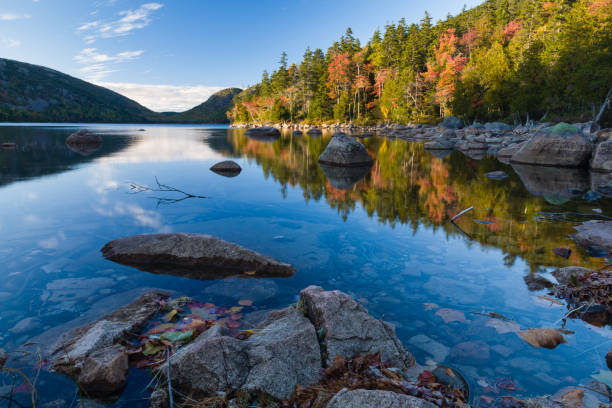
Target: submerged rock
<point>344,151</point>
<point>90,353</point>
<point>227,168</point>
<point>595,236</point>
<point>194,256</point>
<point>561,145</point>
<point>345,328</point>
<point>343,178</point>
<point>602,157</point>
<point>375,398</point>
<point>496,175</point>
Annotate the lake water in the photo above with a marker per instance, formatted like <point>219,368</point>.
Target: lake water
<point>385,240</point>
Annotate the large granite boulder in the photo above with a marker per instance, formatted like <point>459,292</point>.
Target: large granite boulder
<point>195,256</point>
<point>561,145</point>
<point>595,236</point>
<point>91,354</point>
<point>509,151</point>
<point>282,353</point>
<point>343,178</point>
<point>344,151</point>
<point>602,158</point>
<point>375,398</point>
<point>227,168</point>
<point>345,328</point>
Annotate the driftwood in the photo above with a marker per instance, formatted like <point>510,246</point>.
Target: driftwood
<point>604,105</point>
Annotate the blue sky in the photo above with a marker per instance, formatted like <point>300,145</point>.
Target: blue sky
<point>172,54</point>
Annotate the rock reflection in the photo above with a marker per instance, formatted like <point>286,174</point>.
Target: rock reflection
<point>343,178</point>
<point>555,185</point>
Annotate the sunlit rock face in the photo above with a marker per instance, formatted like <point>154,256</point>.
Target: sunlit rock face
<point>345,151</point>
<point>193,256</point>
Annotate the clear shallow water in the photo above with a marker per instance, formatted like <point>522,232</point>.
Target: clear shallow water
<point>385,240</point>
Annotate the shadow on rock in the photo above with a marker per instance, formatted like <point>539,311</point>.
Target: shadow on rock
<point>556,185</point>
<point>343,178</point>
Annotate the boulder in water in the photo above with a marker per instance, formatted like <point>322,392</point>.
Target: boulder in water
<point>194,256</point>
<point>561,145</point>
<point>264,133</point>
<point>595,236</point>
<point>345,151</point>
<point>227,168</point>
<point>602,158</point>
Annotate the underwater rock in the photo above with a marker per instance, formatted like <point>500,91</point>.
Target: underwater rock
<point>594,236</point>
<point>561,145</point>
<point>343,178</point>
<point>194,256</point>
<point>345,151</point>
<point>347,329</point>
<point>556,185</point>
<point>227,168</point>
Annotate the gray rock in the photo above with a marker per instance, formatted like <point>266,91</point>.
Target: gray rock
<point>561,145</point>
<point>314,131</point>
<point>264,133</point>
<point>498,126</point>
<point>343,178</point>
<point>602,158</point>
<point>85,351</point>
<point>595,236</point>
<point>509,151</point>
<point>345,328</point>
<point>84,137</point>
<point>297,133</point>
<point>282,353</point>
<point>440,144</point>
<point>227,168</point>
<point>564,275</point>
<point>345,151</point>
<point>451,122</point>
<point>159,398</point>
<point>104,372</point>
<point>194,256</point>
<point>375,398</point>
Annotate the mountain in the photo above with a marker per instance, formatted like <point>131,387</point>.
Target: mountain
<point>32,93</point>
<point>510,60</point>
<point>212,111</point>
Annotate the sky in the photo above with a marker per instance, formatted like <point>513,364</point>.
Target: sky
<point>170,55</point>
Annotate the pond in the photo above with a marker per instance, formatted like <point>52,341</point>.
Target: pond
<point>382,235</point>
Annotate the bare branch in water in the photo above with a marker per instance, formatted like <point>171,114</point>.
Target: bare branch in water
<point>136,188</point>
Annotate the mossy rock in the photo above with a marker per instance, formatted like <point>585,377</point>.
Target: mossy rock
<point>562,129</point>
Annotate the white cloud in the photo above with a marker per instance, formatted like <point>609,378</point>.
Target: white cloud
<point>98,65</point>
<point>129,20</point>
<point>163,98</point>
<point>13,16</point>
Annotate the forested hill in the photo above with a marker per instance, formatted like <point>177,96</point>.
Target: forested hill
<point>214,110</point>
<point>505,59</point>
<point>32,93</point>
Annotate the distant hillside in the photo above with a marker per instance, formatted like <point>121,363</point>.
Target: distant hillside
<point>31,93</point>
<point>212,111</point>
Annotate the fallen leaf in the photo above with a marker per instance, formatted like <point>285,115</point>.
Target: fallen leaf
<point>245,302</point>
<point>235,309</point>
<point>450,315</point>
<point>573,398</point>
<point>550,299</point>
<point>546,338</point>
<point>170,315</point>
<point>151,349</point>
<point>502,326</point>
<point>177,337</point>
<point>160,328</point>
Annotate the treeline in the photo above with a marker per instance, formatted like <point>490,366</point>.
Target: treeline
<point>510,60</point>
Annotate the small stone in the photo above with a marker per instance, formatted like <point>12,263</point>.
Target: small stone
<point>470,352</point>
<point>25,325</point>
<point>375,398</point>
<point>227,168</point>
<point>496,175</point>
<point>105,371</point>
<point>563,252</point>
